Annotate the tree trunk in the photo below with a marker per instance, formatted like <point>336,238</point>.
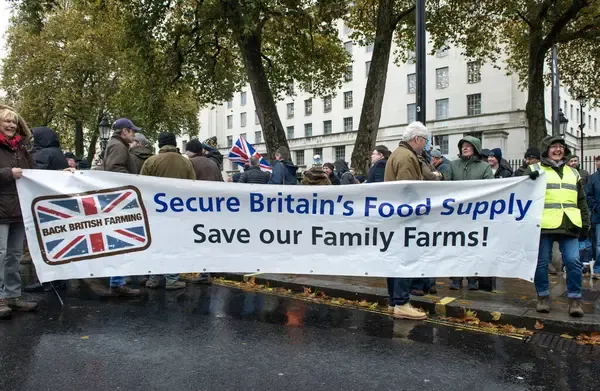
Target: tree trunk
<point>78,138</point>
<point>375,88</point>
<point>535,108</point>
<point>273,133</point>
<point>92,149</point>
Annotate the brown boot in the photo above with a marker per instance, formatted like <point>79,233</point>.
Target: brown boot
<point>124,291</point>
<point>575,309</point>
<point>543,304</point>
<point>5,311</point>
<point>19,304</point>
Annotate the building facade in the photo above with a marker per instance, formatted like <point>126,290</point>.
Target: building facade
<point>463,98</point>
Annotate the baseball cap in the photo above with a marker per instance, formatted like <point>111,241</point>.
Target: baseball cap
<point>123,123</point>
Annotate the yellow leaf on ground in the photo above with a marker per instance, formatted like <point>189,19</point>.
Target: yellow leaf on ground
<point>566,336</point>
<point>85,337</point>
<point>470,315</point>
<point>539,325</point>
<point>496,315</point>
<point>363,303</point>
<point>373,306</point>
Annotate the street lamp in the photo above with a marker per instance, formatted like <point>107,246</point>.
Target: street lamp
<point>563,121</point>
<point>104,130</point>
<point>582,102</point>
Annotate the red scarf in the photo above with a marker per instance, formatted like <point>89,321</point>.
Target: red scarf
<point>12,143</point>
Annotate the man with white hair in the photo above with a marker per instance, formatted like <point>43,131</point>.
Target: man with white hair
<point>404,165</point>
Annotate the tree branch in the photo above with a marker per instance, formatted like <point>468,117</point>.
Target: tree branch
<point>268,61</point>
<point>560,24</point>
<point>544,9</point>
<point>402,14</point>
<point>586,32</point>
<point>525,19</point>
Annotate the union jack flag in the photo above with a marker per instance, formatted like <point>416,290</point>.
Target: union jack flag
<point>91,225</point>
<point>242,151</point>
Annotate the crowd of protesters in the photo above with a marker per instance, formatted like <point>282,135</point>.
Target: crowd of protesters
<point>572,203</point>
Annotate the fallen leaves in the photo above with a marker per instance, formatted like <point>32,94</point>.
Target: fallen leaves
<point>589,339</point>
<point>539,325</point>
<point>496,315</point>
<point>85,337</point>
<point>566,336</point>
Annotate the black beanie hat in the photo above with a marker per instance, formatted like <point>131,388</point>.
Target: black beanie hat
<point>533,152</point>
<point>167,138</point>
<point>194,145</point>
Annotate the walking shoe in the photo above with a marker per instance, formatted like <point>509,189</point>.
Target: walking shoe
<point>543,304</point>
<point>5,311</point>
<point>152,284</point>
<point>432,290</point>
<point>575,309</point>
<point>124,291</point>
<point>455,285</point>
<point>407,311</point>
<point>417,292</point>
<point>19,304</point>
<point>390,308</point>
<point>175,285</point>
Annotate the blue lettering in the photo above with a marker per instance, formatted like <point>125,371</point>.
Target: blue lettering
<point>369,205</point>
<point>256,202</point>
<point>188,205</point>
<point>383,213</point>
<point>233,204</point>
<point>446,205</point>
<point>157,200</point>
<point>176,204</point>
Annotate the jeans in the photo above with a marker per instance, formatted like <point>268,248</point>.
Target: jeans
<point>597,244</point>
<point>12,237</point>
<point>399,290</point>
<point>422,284</point>
<point>171,278</point>
<point>569,248</point>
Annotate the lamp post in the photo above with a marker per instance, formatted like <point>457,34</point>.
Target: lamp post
<point>563,121</point>
<point>104,130</point>
<point>582,102</point>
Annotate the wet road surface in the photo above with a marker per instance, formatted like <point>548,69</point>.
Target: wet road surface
<point>220,338</point>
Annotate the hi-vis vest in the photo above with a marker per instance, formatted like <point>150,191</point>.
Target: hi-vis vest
<point>561,197</point>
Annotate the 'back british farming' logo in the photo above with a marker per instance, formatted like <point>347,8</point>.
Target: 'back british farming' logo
<point>89,225</point>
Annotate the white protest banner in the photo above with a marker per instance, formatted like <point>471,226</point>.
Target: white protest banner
<point>97,224</point>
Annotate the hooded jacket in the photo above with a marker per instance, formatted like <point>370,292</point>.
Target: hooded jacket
<point>168,164</point>
<point>217,157</point>
<point>472,168</point>
<point>140,155</point>
<point>284,173</point>
<point>343,172</point>
<point>10,210</point>
<point>566,227</point>
<point>46,150</point>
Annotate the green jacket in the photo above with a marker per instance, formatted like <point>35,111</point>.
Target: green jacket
<point>140,155</point>
<point>169,164</point>
<point>566,227</point>
<point>473,168</point>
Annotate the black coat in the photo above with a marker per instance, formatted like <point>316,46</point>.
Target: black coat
<point>377,172</point>
<point>254,175</point>
<point>46,150</point>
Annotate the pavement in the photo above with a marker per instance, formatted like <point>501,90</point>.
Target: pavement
<point>514,299</point>
<point>222,338</point>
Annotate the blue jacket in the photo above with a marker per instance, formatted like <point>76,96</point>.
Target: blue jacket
<point>592,191</point>
<point>377,172</point>
<point>284,173</point>
<point>444,168</point>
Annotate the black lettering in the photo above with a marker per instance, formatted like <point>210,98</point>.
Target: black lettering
<point>408,235</point>
<point>197,231</point>
<point>243,236</point>
<point>316,234</point>
<point>267,236</point>
<point>454,236</point>
<point>351,238</point>
<point>473,239</point>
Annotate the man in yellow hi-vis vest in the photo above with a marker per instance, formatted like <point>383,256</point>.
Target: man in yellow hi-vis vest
<point>564,220</point>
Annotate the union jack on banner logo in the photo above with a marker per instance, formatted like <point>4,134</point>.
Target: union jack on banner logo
<point>242,151</point>
<point>91,225</point>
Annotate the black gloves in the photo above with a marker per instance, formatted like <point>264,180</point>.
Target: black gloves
<point>534,174</point>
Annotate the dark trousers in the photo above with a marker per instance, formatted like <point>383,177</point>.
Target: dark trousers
<point>399,290</point>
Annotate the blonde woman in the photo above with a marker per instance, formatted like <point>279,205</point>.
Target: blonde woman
<point>14,157</point>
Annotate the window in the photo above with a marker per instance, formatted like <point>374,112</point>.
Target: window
<point>441,108</point>
<point>474,104</point>
<point>477,135</point>
<point>411,112</point>
<point>229,141</point>
<point>348,74</point>
<point>367,68</point>
<point>229,104</point>
<point>339,152</point>
<point>370,47</point>
<point>290,110</point>
<point>595,124</point>
<point>347,99</point>
<point>411,57</point>
<point>577,115</point>
<point>318,151</point>
<point>411,81</point>
<point>442,142</point>
<point>243,135</point>
<point>441,78</point>
<point>289,89</point>
<point>243,120</point>
<point>308,107</point>
<point>327,104</point>
<point>327,127</point>
<point>346,29</point>
<point>300,158</point>
<point>257,137</point>
<point>348,124</point>
<point>348,47</point>
<point>473,72</point>
<point>307,130</point>
<point>565,109</point>
<point>256,119</point>
<point>229,121</point>
<point>243,97</point>
<point>443,51</point>
<point>589,123</point>
<point>571,130</point>
<point>290,132</point>
<point>571,115</point>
